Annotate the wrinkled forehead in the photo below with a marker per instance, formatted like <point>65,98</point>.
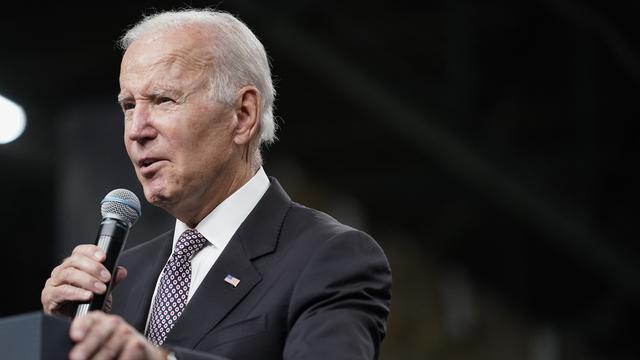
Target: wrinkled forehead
<point>169,51</point>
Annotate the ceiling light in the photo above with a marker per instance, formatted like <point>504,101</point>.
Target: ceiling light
<point>12,120</point>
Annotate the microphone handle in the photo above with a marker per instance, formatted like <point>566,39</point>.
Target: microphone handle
<point>111,238</point>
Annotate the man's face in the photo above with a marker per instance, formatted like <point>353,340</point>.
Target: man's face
<point>179,140</point>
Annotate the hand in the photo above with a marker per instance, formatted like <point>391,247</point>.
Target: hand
<point>76,280</point>
<point>101,336</point>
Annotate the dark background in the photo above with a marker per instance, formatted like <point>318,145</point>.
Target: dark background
<point>490,147</point>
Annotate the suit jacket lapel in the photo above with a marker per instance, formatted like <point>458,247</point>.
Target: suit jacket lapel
<point>215,298</point>
<point>143,280</point>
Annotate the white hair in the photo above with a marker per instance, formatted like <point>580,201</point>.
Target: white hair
<point>239,57</point>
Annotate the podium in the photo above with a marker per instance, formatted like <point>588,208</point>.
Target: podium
<point>34,336</point>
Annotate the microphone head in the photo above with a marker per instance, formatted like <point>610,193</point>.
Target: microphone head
<point>122,204</point>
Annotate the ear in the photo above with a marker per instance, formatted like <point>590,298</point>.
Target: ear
<point>247,113</point>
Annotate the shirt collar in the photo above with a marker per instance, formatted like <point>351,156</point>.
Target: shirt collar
<point>222,222</point>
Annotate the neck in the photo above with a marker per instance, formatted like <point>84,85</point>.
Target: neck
<point>210,198</point>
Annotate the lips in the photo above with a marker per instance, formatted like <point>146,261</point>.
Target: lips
<point>148,166</point>
<point>146,162</point>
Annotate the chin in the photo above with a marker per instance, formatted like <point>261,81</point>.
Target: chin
<point>155,195</point>
<point>160,196</point>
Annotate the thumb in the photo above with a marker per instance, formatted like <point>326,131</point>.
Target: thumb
<point>121,274</point>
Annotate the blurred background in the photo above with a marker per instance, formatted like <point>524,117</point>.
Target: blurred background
<point>489,147</point>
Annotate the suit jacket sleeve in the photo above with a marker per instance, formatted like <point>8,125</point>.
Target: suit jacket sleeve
<point>341,301</point>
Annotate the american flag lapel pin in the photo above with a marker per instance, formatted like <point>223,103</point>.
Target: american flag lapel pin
<point>234,281</point>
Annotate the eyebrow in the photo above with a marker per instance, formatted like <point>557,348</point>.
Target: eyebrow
<point>154,94</point>
<point>122,97</point>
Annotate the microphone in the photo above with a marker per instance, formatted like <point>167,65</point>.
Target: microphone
<point>120,210</point>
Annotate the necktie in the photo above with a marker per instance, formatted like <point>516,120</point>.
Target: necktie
<point>171,297</point>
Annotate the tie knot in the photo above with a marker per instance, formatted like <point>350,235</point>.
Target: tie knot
<point>189,243</point>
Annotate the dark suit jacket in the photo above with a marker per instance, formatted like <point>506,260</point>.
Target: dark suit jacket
<point>310,288</point>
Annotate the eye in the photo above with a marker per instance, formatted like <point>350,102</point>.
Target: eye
<point>164,99</point>
<point>127,105</point>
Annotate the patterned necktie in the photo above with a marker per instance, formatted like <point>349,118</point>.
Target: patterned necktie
<point>171,297</point>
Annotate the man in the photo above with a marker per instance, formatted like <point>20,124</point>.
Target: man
<point>246,273</point>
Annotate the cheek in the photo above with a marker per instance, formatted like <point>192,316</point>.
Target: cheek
<point>127,147</point>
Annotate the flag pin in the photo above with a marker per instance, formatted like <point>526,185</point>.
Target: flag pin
<point>232,280</point>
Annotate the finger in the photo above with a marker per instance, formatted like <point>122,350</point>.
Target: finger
<point>85,264</point>
<point>116,343</point>
<point>121,274</point>
<point>89,250</point>
<point>74,277</point>
<point>55,299</point>
<point>80,326</point>
<point>91,332</point>
<point>64,293</point>
<point>135,348</point>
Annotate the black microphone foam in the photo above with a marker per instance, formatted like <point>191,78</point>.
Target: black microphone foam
<point>120,210</point>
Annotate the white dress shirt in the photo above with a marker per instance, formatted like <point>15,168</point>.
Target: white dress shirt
<point>218,227</point>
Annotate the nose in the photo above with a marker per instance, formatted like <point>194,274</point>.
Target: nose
<point>139,126</point>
